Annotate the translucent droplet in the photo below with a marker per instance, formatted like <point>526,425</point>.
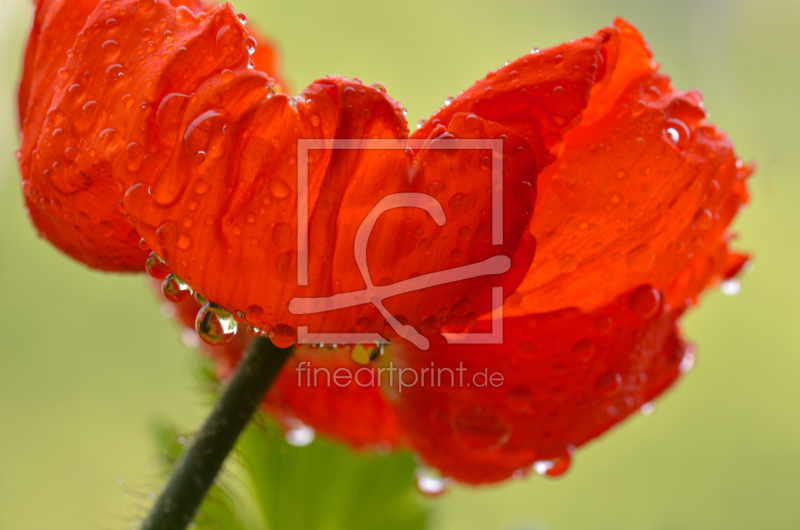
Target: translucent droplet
<point>242,18</point>
<point>648,408</point>
<point>110,49</point>
<point>115,73</point>
<point>480,429</point>
<point>175,290</point>
<point>366,354</point>
<point>379,86</point>
<point>583,349</point>
<point>156,267</point>
<point>282,335</point>
<point>688,360</point>
<point>430,482</point>
<point>250,45</point>
<point>420,124</point>
<point>520,399</point>
<point>731,287</point>
<point>522,190</point>
<point>184,15</point>
<point>535,50</point>
<point>215,325</point>
<point>645,301</point>
<point>553,468</point>
<point>300,435</point>
<point>448,100</point>
<point>640,259</point>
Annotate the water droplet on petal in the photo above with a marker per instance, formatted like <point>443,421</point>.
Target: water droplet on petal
<point>156,267</point>
<point>379,86</point>
<point>215,325</point>
<point>645,301</point>
<point>300,434</point>
<point>283,336</point>
<point>175,290</point>
<point>366,354</point>
<point>520,399</point>
<point>430,482</point>
<point>731,287</point>
<point>448,100</point>
<point>640,259</point>
<point>480,429</point>
<point>553,468</point>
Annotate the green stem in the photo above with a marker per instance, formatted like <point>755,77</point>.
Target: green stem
<point>199,466</point>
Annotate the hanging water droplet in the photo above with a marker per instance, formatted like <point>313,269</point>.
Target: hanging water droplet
<point>535,50</point>
<point>553,468</point>
<point>300,435</point>
<point>282,335</point>
<point>215,325</point>
<point>430,482</point>
<point>648,408</point>
<point>688,360</point>
<point>448,100</point>
<point>420,124</point>
<point>241,17</point>
<point>156,267</point>
<point>250,45</point>
<point>480,429</point>
<point>645,301</point>
<point>175,290</point>
<point>367,354</point>
<point>731,287</point>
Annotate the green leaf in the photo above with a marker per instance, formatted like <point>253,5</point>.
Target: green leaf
<point>327,486</point>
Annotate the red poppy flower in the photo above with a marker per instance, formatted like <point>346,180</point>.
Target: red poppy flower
<point>617,195</point>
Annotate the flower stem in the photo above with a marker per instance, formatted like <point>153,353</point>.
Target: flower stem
<point>199,466</point>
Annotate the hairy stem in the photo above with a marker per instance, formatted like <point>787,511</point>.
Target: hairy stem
<point>196,471</point>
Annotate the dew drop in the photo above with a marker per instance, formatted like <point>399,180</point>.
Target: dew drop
<point>379,86</point>
<point>175,290</point>
<point>115,73</point>
<point>568,263</point>
<point>520,399</point>
<point>553,468</point>
<point>640,259</point>
<point>479,429</point>
<point>250,45</point>
<point>583,349</point>
<point>645,301</point>
<point>215,325</point>
<point>278,188</point>
<point>731,287</point>
<point>430,482</point>
<point>448,100</point>
<point>367,354</point>
<point>282,335</point>
<point>522,190</point>
<point>300,434</point>
<point>156,267</point>
<point>110,49</point>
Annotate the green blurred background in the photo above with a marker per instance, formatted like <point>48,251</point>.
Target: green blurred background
<point>87,364</point>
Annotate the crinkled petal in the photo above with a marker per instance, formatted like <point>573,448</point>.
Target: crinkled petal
<point>560,379</point>
<point>72,99</point>
<point>643,190</point>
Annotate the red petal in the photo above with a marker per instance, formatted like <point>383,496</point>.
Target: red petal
<point>67,181</point>
<point>643,189</point>
<point>567,377</point>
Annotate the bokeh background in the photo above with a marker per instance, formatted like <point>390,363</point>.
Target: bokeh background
<point>87,364</point>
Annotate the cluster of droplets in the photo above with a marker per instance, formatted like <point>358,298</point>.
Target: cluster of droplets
<point>214,324</point>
